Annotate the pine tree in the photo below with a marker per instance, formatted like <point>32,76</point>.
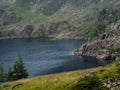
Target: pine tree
<point>1,73</point>
<point>9,75</point>
<point>19,70</point>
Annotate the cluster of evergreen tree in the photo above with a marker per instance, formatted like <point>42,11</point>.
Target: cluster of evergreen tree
<point>17,72</point>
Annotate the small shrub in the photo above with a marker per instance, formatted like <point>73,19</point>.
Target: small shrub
<point>89,83</point>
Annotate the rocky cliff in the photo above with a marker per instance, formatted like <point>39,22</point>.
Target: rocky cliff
<point>107,47</point>
<point>35,31</point>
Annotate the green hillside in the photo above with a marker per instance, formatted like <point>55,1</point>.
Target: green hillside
<point>102,78</point>
<point>85,18</point>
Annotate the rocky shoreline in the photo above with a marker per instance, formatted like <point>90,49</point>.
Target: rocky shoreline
<point>101,49</point>
<point>107,47</point>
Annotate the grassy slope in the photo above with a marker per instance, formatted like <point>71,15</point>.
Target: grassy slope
<point>31,14</point>
<point>51,82</point>
<point>86,29</point>
<point>34,15</point>
<point>65,81</point>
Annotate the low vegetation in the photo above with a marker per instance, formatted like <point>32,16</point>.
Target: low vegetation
<point>18,71</point>
<point>101,78</point>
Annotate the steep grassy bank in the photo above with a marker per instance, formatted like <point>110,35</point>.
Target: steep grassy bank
<point>101,78</point>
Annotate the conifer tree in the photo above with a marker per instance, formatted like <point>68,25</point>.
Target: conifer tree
<point>1,73</point>
<point>19,70</point>
<point>9,75</point>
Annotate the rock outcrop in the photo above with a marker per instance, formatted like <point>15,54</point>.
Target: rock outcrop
<point>57,27</point>
<point>89,49</point>
<point>102,49</point>
<point>28,31</point>
<point>105,36</point>
<point>34,31</point>
<point>37,32</point>
<point>107,47</point>
<point>25,31</point>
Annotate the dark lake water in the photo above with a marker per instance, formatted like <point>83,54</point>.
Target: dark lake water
<point>44,56</point>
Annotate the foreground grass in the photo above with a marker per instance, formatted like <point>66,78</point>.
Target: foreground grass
<point>48,82</point>
<point>77,80</point>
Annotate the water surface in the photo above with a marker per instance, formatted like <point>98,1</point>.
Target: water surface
<point>44,56</point>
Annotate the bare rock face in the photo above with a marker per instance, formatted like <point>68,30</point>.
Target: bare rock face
<point>101,49</point>
<point>105,36</point>
<point>94,49</point>
<point>89,49</point>
<point>105,48</point>
<point>115,27</point>
<point>28,31</point>
<point>57,27</point>
<point>38,29</point>
<point>25,31</point>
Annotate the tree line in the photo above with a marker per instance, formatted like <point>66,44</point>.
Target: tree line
<point>18,71</point>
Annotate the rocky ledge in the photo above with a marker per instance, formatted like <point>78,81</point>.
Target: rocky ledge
<point>34,31</point>
<point>105,49</point>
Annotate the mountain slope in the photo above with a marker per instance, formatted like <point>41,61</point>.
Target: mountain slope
<point>59,19</point>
